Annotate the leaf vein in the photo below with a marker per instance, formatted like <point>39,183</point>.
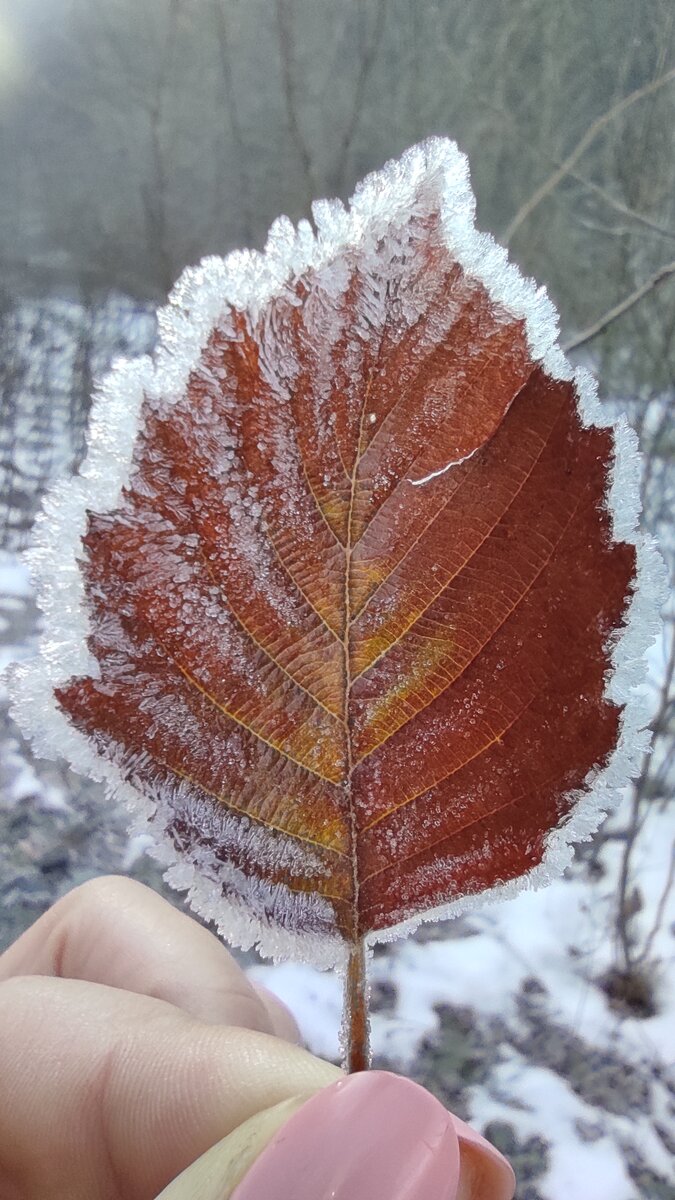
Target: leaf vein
<point>475,550</point>
<point>237,808</point>
<point>399,862</point>
<point>495,631</point>
<point>494,740</point>
<point>263,649</point>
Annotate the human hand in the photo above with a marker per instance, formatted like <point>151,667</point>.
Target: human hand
<point>132,1045</point>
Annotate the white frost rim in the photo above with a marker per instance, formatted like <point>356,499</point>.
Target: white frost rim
<point>247,280</point>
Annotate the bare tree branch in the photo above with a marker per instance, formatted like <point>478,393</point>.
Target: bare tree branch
<point>286,43</point>
<point>359,90</point>
<point>619,309</point>
<point>660,912</point>
<point>154,193</point>
<point>232,106</point>
<point>611,200</point>
<point>582,145</point>
<point>636,822</point>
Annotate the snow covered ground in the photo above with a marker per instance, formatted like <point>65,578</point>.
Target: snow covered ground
<point>502,1014</point>
<point>563,1066</point>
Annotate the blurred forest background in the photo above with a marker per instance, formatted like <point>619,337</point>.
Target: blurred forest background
<point>136,137</point>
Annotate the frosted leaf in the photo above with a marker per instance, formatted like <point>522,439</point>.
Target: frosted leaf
<point>348,603</point>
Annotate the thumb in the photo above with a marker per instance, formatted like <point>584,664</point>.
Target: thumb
<point>105,1092</point>
<point>215,1175</point>
<point>373,1136</point>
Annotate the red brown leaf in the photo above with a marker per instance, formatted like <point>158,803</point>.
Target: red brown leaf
<point>353,588</point>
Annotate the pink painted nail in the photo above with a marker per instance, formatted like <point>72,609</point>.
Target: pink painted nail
<point>372,1136</point>
<point>485,1173</point>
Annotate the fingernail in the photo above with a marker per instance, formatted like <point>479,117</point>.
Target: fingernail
<point>484,1170</point>
<point>372,1136</point>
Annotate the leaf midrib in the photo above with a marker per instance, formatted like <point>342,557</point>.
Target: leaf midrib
<point>349,755</point>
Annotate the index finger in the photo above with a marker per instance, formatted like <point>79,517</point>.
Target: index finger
<point>117,932</point>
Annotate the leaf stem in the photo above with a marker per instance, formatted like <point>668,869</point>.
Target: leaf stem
<point>356,1023</point>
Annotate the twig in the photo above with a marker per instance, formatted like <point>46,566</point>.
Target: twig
<point>154,193</point>
<point>611,200</point>
<point>660,911</point>
<point>661,431</point>
<point>359,90</point>
<point>582,145</point>
<point>623,915</point>
<point>287,66</point>
<point>235,122</point>
<point>619,309</point>
<point>634,827</point>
